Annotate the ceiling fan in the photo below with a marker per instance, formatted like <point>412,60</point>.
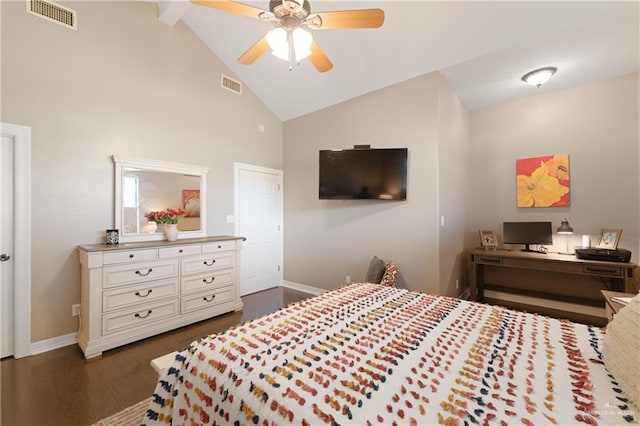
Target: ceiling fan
<point>290,40</point>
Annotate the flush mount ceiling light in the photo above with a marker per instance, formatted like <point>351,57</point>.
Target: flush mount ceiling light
<point>539,77</point>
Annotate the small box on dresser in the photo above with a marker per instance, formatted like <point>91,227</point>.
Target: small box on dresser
<point>136,290</point>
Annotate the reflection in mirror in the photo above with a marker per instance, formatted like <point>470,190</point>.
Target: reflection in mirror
<point>149,191</point>
<point>147,186</point>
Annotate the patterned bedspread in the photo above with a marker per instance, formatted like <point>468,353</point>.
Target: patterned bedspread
<point>376,355</point>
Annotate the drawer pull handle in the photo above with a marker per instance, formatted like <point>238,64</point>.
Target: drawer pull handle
<point>206,281</point>
<point>131,255</point>
<point>491,259</point>
<point>137,315</point>
<point>143,295</point>
<point>603,270</point>
<point>144,275</point>
<point>209,264</point>
<point>206,299</point>
<point>180,251</point>
<point>219,246</point>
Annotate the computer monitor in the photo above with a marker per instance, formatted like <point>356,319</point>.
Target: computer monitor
<point>527,233</point>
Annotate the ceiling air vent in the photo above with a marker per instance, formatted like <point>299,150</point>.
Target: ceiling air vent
<point>231,84</point>
<point>52,12</point>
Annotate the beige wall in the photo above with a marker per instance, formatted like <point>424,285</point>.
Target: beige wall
<point>453,163</point>
<point>123,83</point>
<point>111,88</point>
<point>325,240</point>
<point>596,124</point>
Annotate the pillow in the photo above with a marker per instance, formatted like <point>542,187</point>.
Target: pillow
<point>375,271</point>
<point>391,272</point>
<point>621,349</point>
<point>400,282</point>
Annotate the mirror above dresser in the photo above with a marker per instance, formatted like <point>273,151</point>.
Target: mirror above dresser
<point>143,186</point>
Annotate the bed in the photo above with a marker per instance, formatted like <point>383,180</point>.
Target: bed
<point>369,354</point>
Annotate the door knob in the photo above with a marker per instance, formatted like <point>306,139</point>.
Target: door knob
<point>4,257</point>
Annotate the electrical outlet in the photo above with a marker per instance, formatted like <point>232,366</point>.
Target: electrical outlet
<point>457,284</point>
<point>75,310</point>
<point>347,279</point>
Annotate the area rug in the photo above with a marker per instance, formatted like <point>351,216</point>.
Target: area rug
<point>130,416</point>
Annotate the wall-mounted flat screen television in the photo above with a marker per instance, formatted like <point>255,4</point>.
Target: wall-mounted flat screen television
<point>363,174</point>
<point>527,233</point>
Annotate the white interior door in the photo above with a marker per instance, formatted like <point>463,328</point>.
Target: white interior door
<point>15,240</point>
<point>7,285</point>
<point>258,218</point>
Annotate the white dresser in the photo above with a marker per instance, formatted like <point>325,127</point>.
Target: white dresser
<point>135,290</point>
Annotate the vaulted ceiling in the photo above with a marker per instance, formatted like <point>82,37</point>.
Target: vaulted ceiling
<point>482,48</point>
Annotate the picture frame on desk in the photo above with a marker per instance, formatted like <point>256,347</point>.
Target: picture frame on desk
<point>609,238</point>
<point>488,239</point>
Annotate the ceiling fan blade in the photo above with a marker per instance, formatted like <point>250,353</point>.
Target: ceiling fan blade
<point>363,18</point>
<point>319,59</point>
<point>231,6</point>
<point>254,52</point>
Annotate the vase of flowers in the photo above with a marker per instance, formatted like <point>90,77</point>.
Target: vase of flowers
<point>167,219</point>
<point>171,231</point>
<point>153,217</point>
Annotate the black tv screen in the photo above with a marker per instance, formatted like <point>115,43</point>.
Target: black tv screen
<point>363,174</point>
<point>527,233</point>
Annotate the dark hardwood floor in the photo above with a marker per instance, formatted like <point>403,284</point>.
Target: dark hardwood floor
<point>61,388</point>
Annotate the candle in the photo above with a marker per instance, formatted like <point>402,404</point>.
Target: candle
<point>586,241</point>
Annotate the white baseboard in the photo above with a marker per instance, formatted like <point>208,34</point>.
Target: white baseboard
<point>53,343</point>
<point>303,287</point>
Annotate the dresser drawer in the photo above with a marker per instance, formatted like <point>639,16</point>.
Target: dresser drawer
<point>219,246</point>
<point>207,299</point>
<point>488,260</point>
<point>129,274</point>
<point>143,315</point>
<point>129,256</point>
<point>604,270</point>
<point>209,281</point>
<point>179,251</point>
<point>132,295</point>
<point>209,263</point>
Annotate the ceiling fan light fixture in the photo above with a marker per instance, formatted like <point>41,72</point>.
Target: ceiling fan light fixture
<point>279,41</point>
<point>289,39</point>
<point>540,76</point>
<point>301,43</point>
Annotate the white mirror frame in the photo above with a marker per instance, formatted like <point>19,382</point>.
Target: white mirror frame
<point>122,162</point>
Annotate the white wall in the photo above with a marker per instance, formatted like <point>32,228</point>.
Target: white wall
<point>123,83</point>
<point>596,124</point>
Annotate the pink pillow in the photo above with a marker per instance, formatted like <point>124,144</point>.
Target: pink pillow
<point>390,274</point>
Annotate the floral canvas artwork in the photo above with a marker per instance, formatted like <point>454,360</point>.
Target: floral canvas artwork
<point>191,202</point>
<point>543,181</point>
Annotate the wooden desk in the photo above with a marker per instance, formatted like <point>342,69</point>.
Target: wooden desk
<point>561,286</point>
<point>612,307</point>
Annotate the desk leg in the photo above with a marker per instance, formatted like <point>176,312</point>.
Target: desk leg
<point>631,282</point>
<point>476,276</point>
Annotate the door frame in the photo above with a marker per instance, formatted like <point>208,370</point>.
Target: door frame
<point>236,202</point>
<point>21,136</point>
